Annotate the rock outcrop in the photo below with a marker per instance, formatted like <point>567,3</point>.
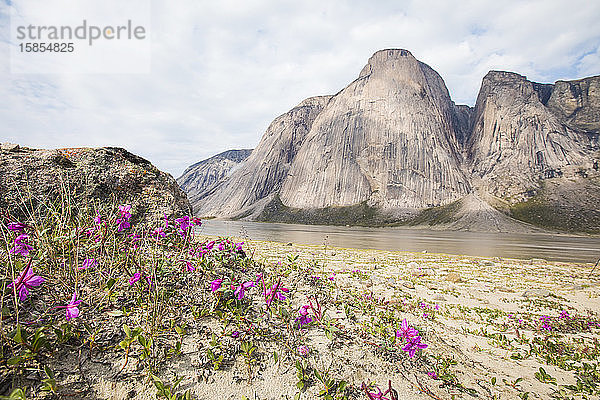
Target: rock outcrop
<point>391,147</point>
<point>35,180</point>
<point>198,179</point>
<point>388,139</point>
<point>249,188</point>
<point>517,141</point>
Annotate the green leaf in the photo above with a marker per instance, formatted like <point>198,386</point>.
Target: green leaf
<point>18,335</point>
<point>48,372</point>
<point>15,360</point>
<point>318,376</point>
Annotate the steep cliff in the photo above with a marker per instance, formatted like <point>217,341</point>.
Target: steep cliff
<point>198,179</point>
<point>261,176</point>
<point>388,138</point>
<point>33,180</point>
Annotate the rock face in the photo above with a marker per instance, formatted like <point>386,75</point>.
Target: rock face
<point>517,141</point>
<point>388,139</point>
<point>32,179</point>
<point>198,179</point>
<point>392,147</point>
<point>249,188</point>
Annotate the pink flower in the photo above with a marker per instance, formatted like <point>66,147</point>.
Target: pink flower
<point>71,309</point>
<point>25,281</point>
<point>303,319</point>
<point>414,345</point>
<point>124,210</point>
<point>88,263</point>
<point>189,266</point>
<point>184,223</point>
<point>216,285</point>
<point>275,292</point>
<point>241,290</point>
<point>433,375</point>
<point>16,226</point>
<point>303,350</point>
<point>159,232</point>
<point>136,277</point>
<point>235,334</point>
<point>405,331</point>
<point>98,219</point>
<point>123,224</point>
<point>21,246</point>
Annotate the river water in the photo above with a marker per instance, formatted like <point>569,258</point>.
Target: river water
<point>510,245</point>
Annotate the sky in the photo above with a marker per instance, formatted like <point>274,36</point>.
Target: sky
<point>221,71</point>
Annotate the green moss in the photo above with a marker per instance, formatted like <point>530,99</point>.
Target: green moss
<point>437,215</point>
<point>558,212</point>
<point>359,214</point>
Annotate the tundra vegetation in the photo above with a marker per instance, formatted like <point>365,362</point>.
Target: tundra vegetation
<point>93,305</point>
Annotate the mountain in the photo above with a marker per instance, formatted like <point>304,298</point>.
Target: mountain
<point>198,179</point>
<point>392,147</point>
<point>36,180</point>
<point>249,188</point>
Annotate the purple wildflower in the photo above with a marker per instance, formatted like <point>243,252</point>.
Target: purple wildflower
<point>189,266</point>
<point>136,277</point>
<point>88,263</point>
<point>303,350</point>
<point>406,332</point>
<point>25,281</point>
<point>432,374</point>
<point>71,309</point>
<point>241,290</point>
<point>303,319</point>
<point>235,334</point>
<point>16,226</point>
<point>275,292</point>
<point>184,223</point>
<point>98,219</point>
<point>123,224</point>
<point>413,345</point>
<point>216,285</point>
<point>159,232</point>
<point>21,246</point>
<point>124,210</point>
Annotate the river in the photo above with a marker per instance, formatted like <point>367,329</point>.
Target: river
<point>550,247</point>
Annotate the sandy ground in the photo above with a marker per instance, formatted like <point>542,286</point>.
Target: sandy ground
<point>472,312</point>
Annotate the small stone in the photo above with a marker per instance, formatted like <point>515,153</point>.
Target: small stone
<point>408,284</point>
<point>488,263</point>
<point>536,293</point>
<point>453,277</point>
<point>439,297</point>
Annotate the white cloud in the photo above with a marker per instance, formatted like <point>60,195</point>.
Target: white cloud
<point>222,71</point>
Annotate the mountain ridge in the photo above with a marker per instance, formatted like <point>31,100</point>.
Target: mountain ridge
<point>393,143</point>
